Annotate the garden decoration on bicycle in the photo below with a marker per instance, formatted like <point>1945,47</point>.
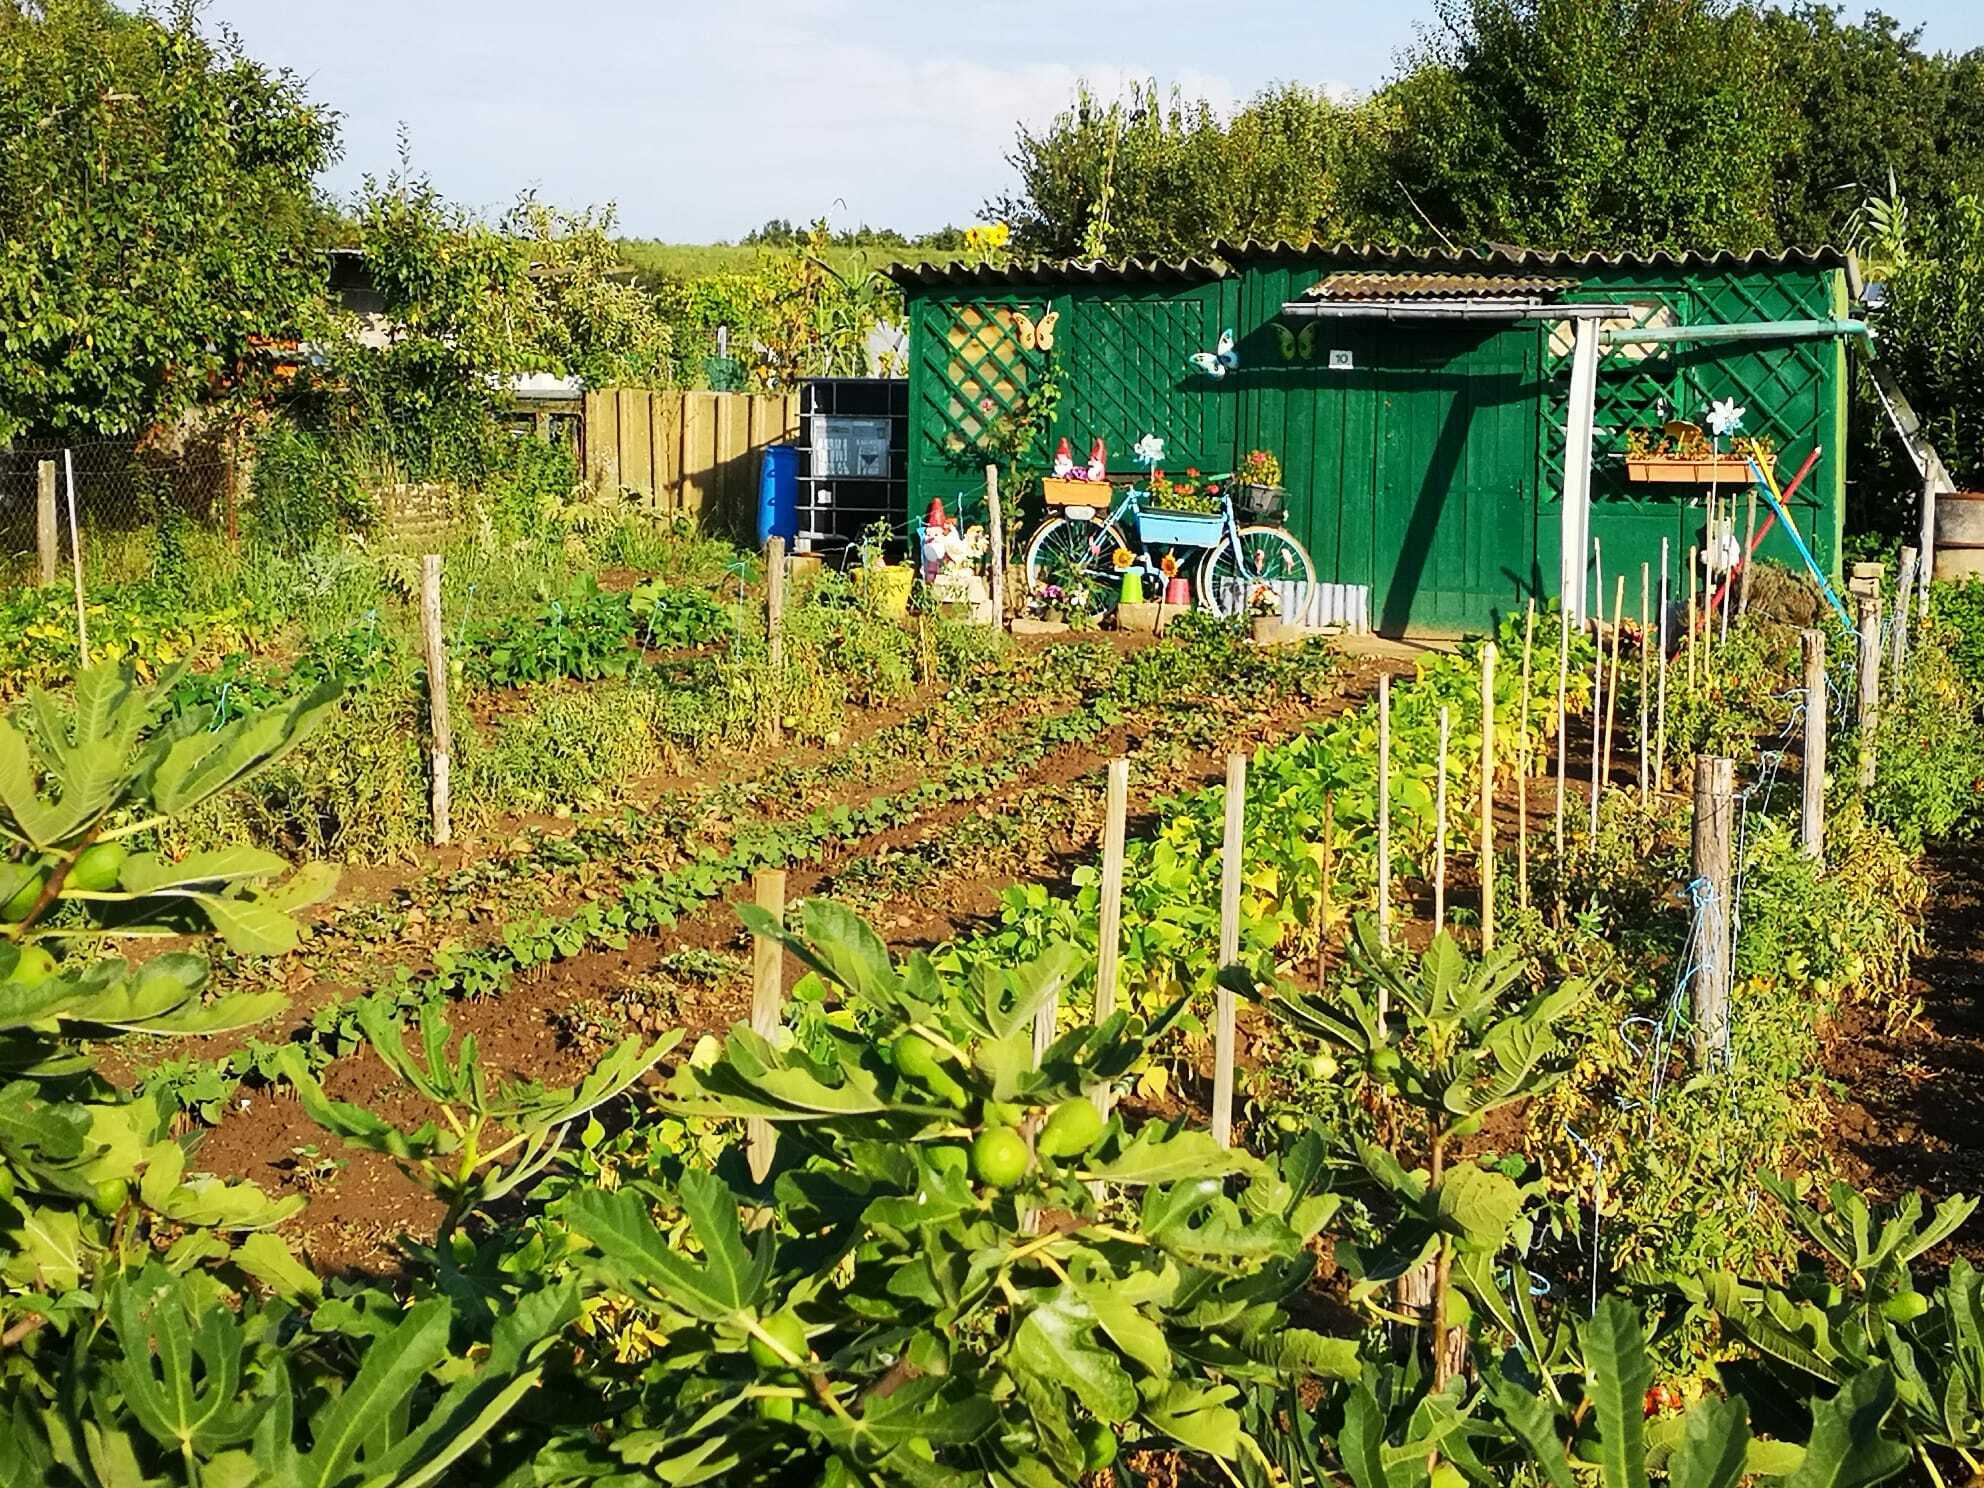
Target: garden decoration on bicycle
<point>1084,544</point>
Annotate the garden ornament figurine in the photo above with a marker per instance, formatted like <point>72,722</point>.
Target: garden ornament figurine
<point>1064,460</point>
<point>1098,462</point>
<point>936,527</point>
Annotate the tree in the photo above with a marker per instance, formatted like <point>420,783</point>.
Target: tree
<point>155,203</point>
<point>1147,174</point>
<point>1621,124</point>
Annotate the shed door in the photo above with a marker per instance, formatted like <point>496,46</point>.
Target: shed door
<point>1453,511</point>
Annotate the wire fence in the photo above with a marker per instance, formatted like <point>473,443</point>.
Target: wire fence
<point>119,488</point>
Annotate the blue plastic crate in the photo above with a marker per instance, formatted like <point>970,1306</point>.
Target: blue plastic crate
<point>1179,529</point>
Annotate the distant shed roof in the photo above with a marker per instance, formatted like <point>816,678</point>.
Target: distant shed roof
<point>1366,285</point>
<point>1225,258</point>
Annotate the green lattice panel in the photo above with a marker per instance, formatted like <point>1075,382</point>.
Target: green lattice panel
<point>1130,376</point>
<point>977,372</point>
<point>1638,387</point>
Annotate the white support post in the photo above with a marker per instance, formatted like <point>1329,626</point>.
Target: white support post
<point>1578,413</point>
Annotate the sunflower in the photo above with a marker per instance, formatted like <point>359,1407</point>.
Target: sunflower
<point>1168,565</point>
<point>1122,558</point>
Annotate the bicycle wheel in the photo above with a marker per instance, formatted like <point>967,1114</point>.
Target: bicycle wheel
<point>1272,557</point>
<point>1063,548</point>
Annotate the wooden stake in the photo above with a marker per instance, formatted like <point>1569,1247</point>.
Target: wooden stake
<point>1812,823</point>
<point>1597,703</point>
<point>1384,819</point>
<point>1488,798</point>
<point>1325,905</point>
<point>1440,835</point>
<point>441,731</point>
<point>1612,688</point>
<point>1903,589</point>
<point>1749,542</point>
<point>1693,576</point>
<point>47,529</point>
<point>1868,713</point>
<point>1229,946</point>
<point>1660,682</point>
<point>1523,765</point>
<point>1646,661</point>
<point>1715,814</point>
<point>1563,747</point>
<point>76,559</point>
<point>767,1005</point>
<point>996,540</point>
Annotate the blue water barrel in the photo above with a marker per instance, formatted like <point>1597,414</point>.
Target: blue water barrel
<point>778,493</point>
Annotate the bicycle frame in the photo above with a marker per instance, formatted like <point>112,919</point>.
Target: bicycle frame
<point>1131,503</point>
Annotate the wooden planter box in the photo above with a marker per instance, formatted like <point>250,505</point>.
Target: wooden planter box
<point>1075,492</point>
<point>1726,470</point>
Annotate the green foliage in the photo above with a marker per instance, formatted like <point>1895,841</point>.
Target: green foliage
<point>674,618</point>
<point>942,1334</point>
<point>583,635</point>
<point>1929,781</point>
<point>155,199</point>
<point>305,490</point>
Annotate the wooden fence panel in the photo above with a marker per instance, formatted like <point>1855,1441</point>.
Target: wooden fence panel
<point>692,453</point>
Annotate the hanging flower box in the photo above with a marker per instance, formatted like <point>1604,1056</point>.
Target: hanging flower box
<point>1179,528</point>
<point>1727,470</point>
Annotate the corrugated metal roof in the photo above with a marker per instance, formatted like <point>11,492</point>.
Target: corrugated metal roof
<point>1225,257</point>
<point>1367,285</point>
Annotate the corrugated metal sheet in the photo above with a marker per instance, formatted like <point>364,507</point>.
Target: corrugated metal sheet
<point>1225,258</point>
<point>1364,285</point>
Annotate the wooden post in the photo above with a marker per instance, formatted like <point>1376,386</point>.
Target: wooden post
<point>1612,689</point>
<point>1868,712</point>
<point>76,559</point>
<point>1229,946</point>
<point>47,533</point>
<point>1904,586</point>
<point>767,1004</point>
<point>1660,682</point>
<point>1812,826</point>
<point>774,697</point>
<point>1563,747</point>
<point>1440,835</point>
<point>231,485</point>
<point>1326,874</point>
<point>1523,764</point>
<point>1926,539</point>
<point>1646,659</point>
<point>775,601</point>
<point>441,731</point>
<point>1715,816</point>
<point>1384,816</point>
<point>996,539</point>
<point>1488,798</point>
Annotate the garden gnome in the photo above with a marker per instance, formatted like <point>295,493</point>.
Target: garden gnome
<point>935,526</point>
<point>1098,462</point>
<point>1064,460</point>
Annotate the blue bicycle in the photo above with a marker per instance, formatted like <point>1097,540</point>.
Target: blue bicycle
<point>1238,557</point>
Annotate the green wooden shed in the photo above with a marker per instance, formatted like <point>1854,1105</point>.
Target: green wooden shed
<point>1451,425</point>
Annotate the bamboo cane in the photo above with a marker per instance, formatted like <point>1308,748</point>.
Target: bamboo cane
<point>1488,798</point>
<point>1612,689</point>
<point>1523,764</point>
<point>1597,689</point>
<point>1660,682</point>
<point>1440,835</point>
<point>1645,660</point>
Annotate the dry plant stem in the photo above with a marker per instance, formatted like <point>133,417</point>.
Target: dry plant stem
<point>1488,797</point>
<point>1597,693</point>
<point>1660,683</point>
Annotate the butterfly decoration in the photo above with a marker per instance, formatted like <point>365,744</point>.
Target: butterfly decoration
<point>1217,363</point>
<point>1036,335</point>
<point>1296,344</point>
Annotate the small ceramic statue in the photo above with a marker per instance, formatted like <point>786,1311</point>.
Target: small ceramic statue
<point>936,528</point>
<point>1064,460</point>
<point>1098,462</point>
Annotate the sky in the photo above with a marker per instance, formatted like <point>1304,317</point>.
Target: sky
<point>701,121</point>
